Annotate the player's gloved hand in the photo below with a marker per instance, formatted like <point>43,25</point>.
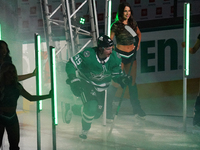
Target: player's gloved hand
<point>125,80</point>
<point>75,85</point>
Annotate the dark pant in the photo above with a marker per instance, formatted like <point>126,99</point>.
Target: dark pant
<point>11,125</point>
<point>196,119</point>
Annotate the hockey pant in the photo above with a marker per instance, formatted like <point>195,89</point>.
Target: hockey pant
<point>93,105</point>
<point>196,119</point>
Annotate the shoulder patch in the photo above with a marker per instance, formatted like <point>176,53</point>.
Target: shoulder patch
<point>86,53</point>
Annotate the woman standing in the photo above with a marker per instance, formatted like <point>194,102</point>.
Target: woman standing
<point>10,90</point>
<point>126,48</point>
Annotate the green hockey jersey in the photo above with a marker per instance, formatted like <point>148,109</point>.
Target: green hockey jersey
<point>90,68</point>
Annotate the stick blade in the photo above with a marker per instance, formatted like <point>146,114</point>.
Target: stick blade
<point>112,126</point>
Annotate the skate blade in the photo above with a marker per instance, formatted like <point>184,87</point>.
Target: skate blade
<point>109,120</point>
<point>139,117</point>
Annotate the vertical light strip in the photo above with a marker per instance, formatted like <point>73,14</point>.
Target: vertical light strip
<point>109,16</point>
<point>54,83</point>
<point>0,31</point>
<point>38,86</point>
<point>186,61</point>
<point>39,68</point>
<point>187,36</point>
<point>55,88</point>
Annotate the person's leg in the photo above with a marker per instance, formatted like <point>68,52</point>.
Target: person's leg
<point>2,129</point>
<point>133,91</point>
<point>100,97</point>
<point>77,110</point>
<point>14,134</point>
<point>69,110</point>
<point>196,119</point>
<point>89,111</point>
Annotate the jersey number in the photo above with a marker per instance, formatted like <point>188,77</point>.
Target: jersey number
<point>78,60</point>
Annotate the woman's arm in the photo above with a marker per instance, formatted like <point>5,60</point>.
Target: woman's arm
<point>194,49</point>
<point>139,36</point>
<point>112,35</point>
<point>30,97</point>
<point>26,76</point>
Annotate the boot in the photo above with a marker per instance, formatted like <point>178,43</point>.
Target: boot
<point>196,119</point>
<point>83,134</point>
<point>137,110</point>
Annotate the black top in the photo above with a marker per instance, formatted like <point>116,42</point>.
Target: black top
<point>10,95</point>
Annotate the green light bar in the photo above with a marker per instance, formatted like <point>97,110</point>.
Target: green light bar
<point>109,16</point>
<point>39,67</point>
<point>0,31</point>
<point>53,85</point>
<point>187,36</point>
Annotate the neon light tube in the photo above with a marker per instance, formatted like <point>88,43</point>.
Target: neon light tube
<point>0,31</point>
<point>53,85</point>
<point>39,67</point>
<point>109,16</point>
<point>187,36</point>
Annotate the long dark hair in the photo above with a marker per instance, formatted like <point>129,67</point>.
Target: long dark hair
<point>119,16</point>
<point>8,74</point>
<point>7,57</point>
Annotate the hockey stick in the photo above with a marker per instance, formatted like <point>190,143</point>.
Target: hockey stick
<point>132,32</point>
<point>119,105</point>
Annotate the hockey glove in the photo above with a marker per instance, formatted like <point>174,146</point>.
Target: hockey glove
<point>75,85</point>
<point>125,80</point>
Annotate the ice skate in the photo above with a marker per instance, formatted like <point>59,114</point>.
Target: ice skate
<point>68,113</point>
<point>83,135</point>
<point>109,118</point>
<point>139,113</point>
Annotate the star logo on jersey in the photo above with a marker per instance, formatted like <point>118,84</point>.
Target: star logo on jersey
<point>100,76</point>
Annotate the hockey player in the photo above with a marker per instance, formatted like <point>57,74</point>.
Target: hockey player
<point>95,67</point>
